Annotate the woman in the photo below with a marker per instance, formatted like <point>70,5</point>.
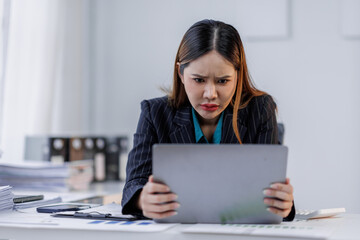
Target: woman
<point>212,101</point>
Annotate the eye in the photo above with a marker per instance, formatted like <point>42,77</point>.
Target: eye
<point>223,81</point>
<point>198,80</point>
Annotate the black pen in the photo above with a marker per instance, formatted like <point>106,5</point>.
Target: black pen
<point>97,216</point>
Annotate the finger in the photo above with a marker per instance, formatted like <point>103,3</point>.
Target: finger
<point>284,205</point>
<point>287,181</point>
<point>161,208</point>
<point>283,187</point>
<point>161,198</point>
<point>278,194</point>
<point>282,213</point>
<point>151,178</point>
<point>151,187</point>
<point>159,215</point>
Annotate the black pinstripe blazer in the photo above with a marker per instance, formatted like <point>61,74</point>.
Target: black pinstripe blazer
<point>159,123</point>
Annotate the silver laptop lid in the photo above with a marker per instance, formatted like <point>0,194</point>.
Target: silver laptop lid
<point>220,183</point>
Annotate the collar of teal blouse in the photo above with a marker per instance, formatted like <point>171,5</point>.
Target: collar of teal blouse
<point>199,135</point>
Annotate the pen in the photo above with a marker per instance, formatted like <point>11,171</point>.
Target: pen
<point>97,216</point>
<point>90,215</point>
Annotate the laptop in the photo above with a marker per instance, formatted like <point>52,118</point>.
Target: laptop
<point>220,183</point>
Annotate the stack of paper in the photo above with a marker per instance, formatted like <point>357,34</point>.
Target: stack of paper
<point>46,176</point>
<point>35,176</point>
<point>6,198</point>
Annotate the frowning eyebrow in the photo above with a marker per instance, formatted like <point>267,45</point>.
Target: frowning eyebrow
<point>201,76</point>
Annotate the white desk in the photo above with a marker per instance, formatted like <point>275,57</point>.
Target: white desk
<point>346,227</point>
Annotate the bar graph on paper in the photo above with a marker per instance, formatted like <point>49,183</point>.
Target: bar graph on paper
<point>132,226</point>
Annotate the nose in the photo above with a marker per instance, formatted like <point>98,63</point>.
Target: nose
<point>210,91</point>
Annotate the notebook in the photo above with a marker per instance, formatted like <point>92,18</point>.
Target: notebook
<point>220,183</point>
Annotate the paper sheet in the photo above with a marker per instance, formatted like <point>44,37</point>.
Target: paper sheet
<point>278,230</point>
<point>45,221</point>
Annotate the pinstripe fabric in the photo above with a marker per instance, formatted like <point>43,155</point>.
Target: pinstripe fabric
<point>159,123</point>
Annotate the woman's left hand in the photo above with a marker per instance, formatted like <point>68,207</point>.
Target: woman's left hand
<point>279,198</point>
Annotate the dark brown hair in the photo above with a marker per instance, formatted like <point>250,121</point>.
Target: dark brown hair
<point>201,38</point>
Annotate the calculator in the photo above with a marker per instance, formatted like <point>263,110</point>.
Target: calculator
<point>321,213</point>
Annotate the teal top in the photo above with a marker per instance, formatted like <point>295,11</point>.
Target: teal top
<point>199,135</point>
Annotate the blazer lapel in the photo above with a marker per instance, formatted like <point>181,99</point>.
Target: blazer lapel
<point>183,127</point>
<point>228,135</point>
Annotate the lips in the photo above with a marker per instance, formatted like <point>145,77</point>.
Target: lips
<point>209,107</point>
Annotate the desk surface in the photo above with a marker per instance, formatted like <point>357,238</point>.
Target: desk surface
<point>346,227</point>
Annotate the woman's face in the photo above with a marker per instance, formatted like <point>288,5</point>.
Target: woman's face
<point>210,83</point>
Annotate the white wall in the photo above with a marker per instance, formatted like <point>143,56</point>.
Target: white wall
<point>313,73</point>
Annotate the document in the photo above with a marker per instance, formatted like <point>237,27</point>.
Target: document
<point>273,230</point>
<point>45,221</point>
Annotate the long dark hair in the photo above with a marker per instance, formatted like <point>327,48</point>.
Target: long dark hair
<point>201,38</point>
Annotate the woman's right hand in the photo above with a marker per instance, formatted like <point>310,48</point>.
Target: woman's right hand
<point>156,200</point>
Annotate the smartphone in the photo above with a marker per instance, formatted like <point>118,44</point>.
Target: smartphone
<point>27,198</point>
<point>62,208</point>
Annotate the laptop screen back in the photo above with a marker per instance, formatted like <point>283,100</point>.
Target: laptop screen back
<point>220,183</point>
